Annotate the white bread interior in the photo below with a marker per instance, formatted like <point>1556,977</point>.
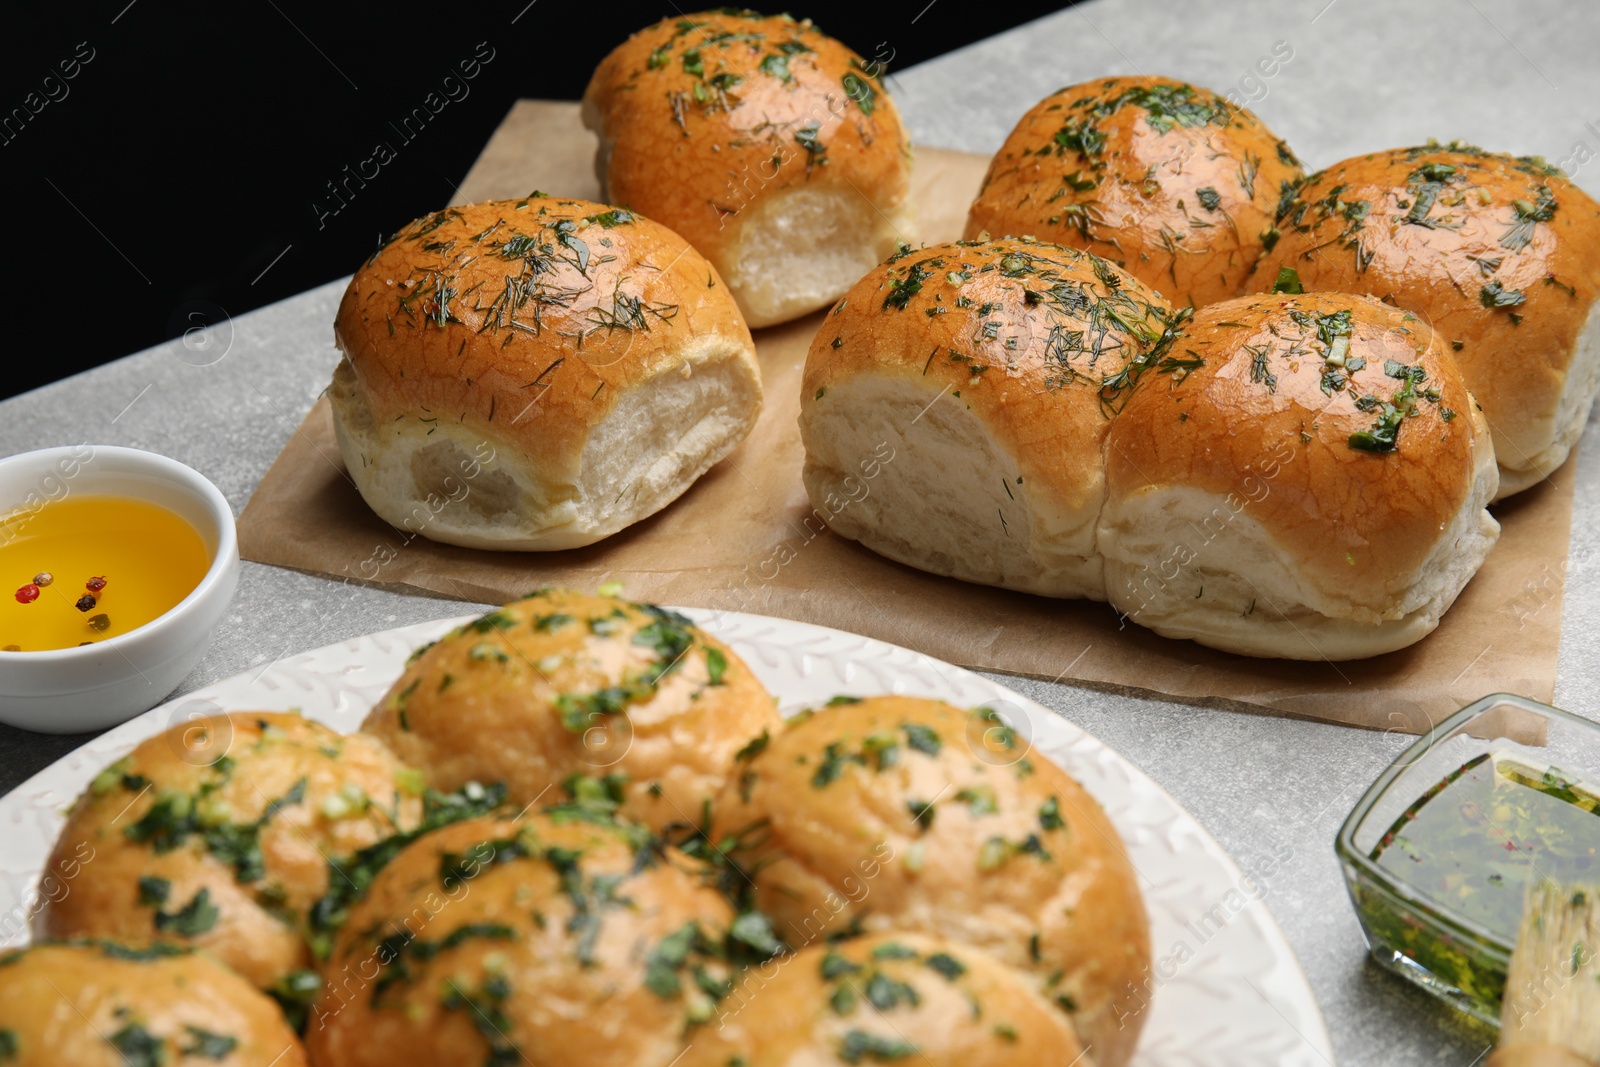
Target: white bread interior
<point>660,435</point>
<point>1235,587</point>
<point>1519,468</point>
<point>800,248</point>
<point>938,503</point>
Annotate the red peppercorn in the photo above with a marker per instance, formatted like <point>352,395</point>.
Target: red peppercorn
<point>86,603</point>
<point>28,594</point>
<point>94,585</point>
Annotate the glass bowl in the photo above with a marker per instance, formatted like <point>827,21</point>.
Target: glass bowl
<point>1451,931</point>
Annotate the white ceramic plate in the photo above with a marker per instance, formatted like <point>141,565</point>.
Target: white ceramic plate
<point>1227,989</point>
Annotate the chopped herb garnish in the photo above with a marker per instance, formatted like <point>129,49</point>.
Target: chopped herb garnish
<point>153,892</point>
<point>777,66</point>
<point>754,930</point>
<point>834,761</point>
<point>816,152</point>
<point>138,1046</point>
<point>901,290</point>
<point>1383,436</point>
<point>1288,281</point>
<point>205,1043</point>
<point>1050,814</point>
<point>716,665</point>
<point>859,1045</point>
<point>860,90</point>
<point>1495,295</point>
<point>193,919</point>
<point>835,965</point>
<point>1528,213</point>
<point>922,738</point>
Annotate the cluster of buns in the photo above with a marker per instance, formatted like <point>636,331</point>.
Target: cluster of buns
<point>661,871</point>
<point>1301,473</point>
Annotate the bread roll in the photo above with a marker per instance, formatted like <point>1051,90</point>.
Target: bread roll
<point>101,1005</point>
<point>772,147</point>
<point>1167,180</point>
<point>561,684</point>
<point>1500,255</point>
<point>886,997</point>
<point>536,373</point>
<point>954,402</point>
<point>545,940</point>
<point>897,814</point>
<point>1310,486</point>
<point>217,835</point>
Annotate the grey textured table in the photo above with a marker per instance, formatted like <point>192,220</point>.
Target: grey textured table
<point>1364,74</point>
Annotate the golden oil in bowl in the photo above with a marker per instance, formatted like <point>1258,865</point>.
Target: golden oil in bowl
<point>87,568</point>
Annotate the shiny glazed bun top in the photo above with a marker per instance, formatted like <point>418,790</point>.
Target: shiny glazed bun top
<point>771,146</point>
<point>1500,254</point>
<point>571,348</point>
<point>1168,180</point>
<point>218,835</point>
<point>561,686</point>
<point>96,1004</point>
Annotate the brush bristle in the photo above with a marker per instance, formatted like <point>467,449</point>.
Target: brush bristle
<point>1553,987</point>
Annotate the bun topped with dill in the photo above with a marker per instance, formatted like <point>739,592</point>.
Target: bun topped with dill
<point>537,373</point>
<point>771,146</point>
<point>1500,254</point>
<point>1311,485</point>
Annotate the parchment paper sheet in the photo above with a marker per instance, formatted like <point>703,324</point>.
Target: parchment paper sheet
<point>739,539</point>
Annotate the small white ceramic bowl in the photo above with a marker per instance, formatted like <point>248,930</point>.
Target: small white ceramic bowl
<point>91,687</point>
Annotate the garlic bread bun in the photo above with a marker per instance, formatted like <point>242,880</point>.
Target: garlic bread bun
<point>906,815</point>
<point>546,940</point>
<point>1167,180</point>
<point>536,374</point>
<point>973,383</point>
<point>769,145</point>
<point>1311,485</point>
<point>562,684</point>
<point>217,835</point>
<point>1500,254</point>
<point>92,1004</point>
<point>888,996</point>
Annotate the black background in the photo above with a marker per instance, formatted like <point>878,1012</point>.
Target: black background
<point>175,177</point>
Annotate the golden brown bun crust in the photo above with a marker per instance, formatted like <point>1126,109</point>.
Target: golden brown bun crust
<point>1491,227</point>
<point>555,308</point>
<point>93,1005</point>
<point>1339,511</point>
<point>1184,184</point>
<point>511,698</point>
<point>532,934</point>
<point>148,815</point>
<point>841,843</point>
<point>905,996</point>
<point>1023,332</point>
<point>693,156</point>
